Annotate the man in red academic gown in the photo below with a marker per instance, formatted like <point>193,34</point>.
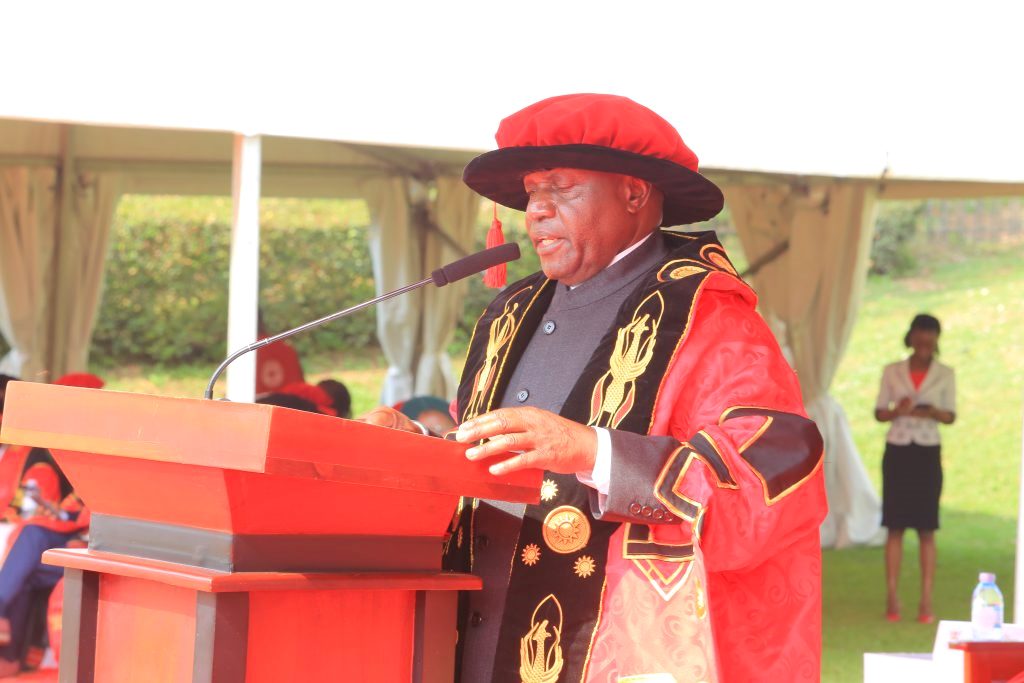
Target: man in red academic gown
<point>677,534</point>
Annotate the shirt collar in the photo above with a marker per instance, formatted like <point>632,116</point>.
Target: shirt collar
<point>631,264</point>
<point>618,257</point>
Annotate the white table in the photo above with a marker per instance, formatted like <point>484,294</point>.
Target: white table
<point>941,665</point>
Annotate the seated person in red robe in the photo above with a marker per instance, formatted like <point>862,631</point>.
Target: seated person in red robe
<point>47,522</point>
<point>277,365</point>
<point>48,515</point>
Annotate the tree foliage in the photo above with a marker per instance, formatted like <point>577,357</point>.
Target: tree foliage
<point>892,248</point>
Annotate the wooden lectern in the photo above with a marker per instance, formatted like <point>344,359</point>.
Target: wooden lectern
<point>242,543</point>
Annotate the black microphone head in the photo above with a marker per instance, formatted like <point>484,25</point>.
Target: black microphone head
<point>475,263</point>
<point>509,251</point>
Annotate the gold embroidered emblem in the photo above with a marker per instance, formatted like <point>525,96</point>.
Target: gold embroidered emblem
<point>700,600</point>
<point>499,334</point>
<point>614,393</point>
<point>531,554</point>
<point>454,527</point>
<point>548,490</point>
<point>681,268</point>
<point>584,566</point>
<point>540,661</point>
<point>566,529</point>
<point>716,256</point>
<point>685,272</point>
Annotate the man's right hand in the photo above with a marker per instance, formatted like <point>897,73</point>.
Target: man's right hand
<point>390,418</point>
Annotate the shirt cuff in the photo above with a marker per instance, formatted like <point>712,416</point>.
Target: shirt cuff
<point>600,477</point>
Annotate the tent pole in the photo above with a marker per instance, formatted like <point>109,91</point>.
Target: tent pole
<point>53,361</point>
<point>244,283</point>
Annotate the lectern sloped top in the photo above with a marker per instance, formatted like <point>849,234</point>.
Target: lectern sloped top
<point>247,470</point>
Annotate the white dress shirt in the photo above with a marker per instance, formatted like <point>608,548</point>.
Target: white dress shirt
<point>938,389</point>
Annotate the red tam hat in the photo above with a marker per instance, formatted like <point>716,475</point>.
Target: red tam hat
<point>605,133</point>
<point>84,380</point>
<point>312,393</point>
<point>46,480</point>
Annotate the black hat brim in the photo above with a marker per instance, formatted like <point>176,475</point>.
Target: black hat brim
<point>689,196</point>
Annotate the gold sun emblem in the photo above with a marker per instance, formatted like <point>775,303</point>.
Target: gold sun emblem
<point>684,272</point>
<point>548,490</point>
<point>531,554</point>
<point>584,566</point>
<point>566,529</point>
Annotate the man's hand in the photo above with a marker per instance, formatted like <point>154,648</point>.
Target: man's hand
<point>390,418</point>
<point>542,440</point>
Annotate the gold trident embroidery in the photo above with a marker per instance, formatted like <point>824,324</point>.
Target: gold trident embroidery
<point>538,662</point>
<point>634,349</point>
<point>498,336</point>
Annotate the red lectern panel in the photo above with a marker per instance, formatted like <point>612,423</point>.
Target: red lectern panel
<point>242,543</point>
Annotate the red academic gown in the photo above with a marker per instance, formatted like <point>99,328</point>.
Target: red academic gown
<point>724,582</point>
<point>747,606</point>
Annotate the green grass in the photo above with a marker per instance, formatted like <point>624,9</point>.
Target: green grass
<point>980,301</point>
<point>979,297</point>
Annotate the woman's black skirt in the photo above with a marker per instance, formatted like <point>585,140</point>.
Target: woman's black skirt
<point>911,484</point>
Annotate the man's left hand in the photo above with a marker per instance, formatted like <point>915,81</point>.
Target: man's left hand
<point>542,440</point>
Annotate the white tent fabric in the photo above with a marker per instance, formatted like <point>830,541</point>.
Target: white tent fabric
<point>26,253</point>
<point>396,263</point>
<point>83,264</point>
<point>406,243</point>
<point>51,267</point>
<point>811,293</point>
<point>455,212</point>
<point>900,103</point>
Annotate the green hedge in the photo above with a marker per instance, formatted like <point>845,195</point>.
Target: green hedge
<point>166,287</point>
<point>165,299</point>
<point>166,291</point>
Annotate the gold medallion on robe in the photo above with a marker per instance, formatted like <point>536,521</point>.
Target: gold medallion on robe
<point>566,529</point>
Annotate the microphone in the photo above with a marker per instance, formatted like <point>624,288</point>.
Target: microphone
<point>475,263</point>
<point>445,275</point>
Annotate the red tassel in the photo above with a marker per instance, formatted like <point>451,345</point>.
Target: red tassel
<point>495,276</point>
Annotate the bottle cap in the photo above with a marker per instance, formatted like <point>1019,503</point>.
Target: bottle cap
<point>987,577</point>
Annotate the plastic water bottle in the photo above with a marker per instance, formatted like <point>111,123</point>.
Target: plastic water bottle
<point>987,609</point>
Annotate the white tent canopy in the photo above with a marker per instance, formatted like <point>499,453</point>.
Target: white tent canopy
<point>792,86</point>
<point>805,118</point>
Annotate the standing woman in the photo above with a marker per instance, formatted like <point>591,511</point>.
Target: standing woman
<point>917,394</point>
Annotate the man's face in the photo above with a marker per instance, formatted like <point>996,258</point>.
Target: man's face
<point>578,221</point>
